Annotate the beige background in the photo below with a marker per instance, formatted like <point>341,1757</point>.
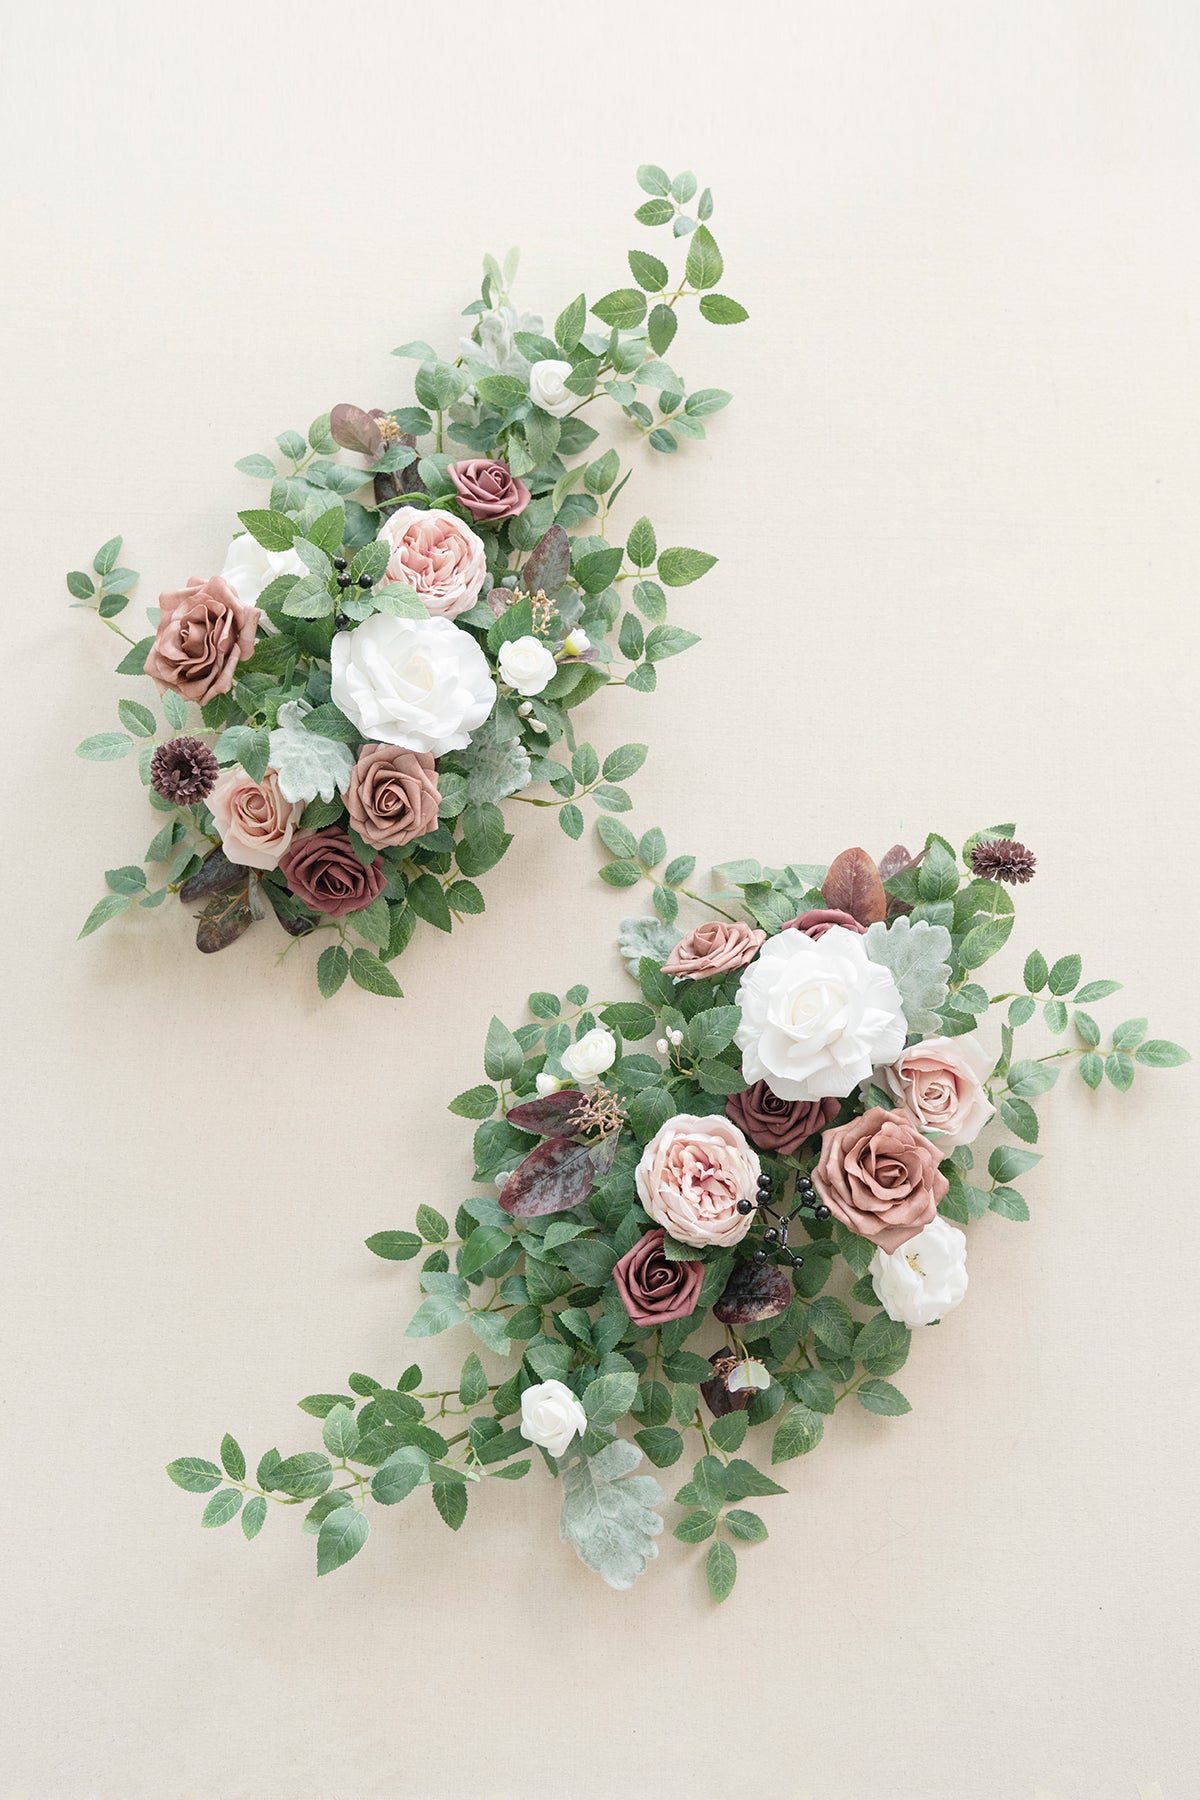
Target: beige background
<point>955,505</point>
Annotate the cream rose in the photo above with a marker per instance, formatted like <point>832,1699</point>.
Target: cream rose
<point>419,683</point>
<point>551,1416</point>
<point>526,664</point>
<point>941,1084</point>
<point>547,387</point>
<point>439,557</point>
<point>924,1279</point>
<point>248,568</point>
<point>253,819</point>
<point>817,1015</point>
<point>693,1174</point>
<point>586,1060</point>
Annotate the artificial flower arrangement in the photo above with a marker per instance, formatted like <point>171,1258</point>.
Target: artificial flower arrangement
<point>784,1164</point>
<point>398,640</point>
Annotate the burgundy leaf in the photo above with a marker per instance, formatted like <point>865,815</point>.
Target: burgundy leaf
<point>853,885</point>
<point>391,483</point>
<point>892,861</point>
<point>549,563</point>
<point>717,1396</point>
<point>355,429</point>
<point>216,875</point>
<point>754,1291</point>
<point>550,1115</point>
<point>554,1177</point>
<point>223,921</point>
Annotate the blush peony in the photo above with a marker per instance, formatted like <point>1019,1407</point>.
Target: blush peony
<point>693,1174</point>
<point>439,557</point>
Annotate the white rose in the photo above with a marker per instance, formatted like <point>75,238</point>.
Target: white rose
<point>587,1060</point>
<point>925,1278</point>
<point>941,1082</point>
<point>248,568</point>
<point>817,1015</point>
<point>419,683</point>
<point>551,1416</point>
<point>547,390</point>
<point>526,664</point>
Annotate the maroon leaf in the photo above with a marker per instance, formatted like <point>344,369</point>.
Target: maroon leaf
<point>390,484</point>
<point>754,1291</point>
<point>549,563</point>
<point>223,921</point>
<point>550,1115</point>
<point>216,875</point>
<point>355,429</point>
<point>892,861</point>
<point>853,885</point>
<point>553,1178</point>
<point>717,1396</point>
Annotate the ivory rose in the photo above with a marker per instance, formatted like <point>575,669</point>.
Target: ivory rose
<point>548,389</point>
<point>940,1082</point>
<point>204,632</point>
<point>551,1416</point>
<point>692,1175</point>
<point>714,949</point>
<point>924,1279</point>
<point>817,1015</point>
<point>420,683</point>
<point>527,665</point>
<point>393,795</point>
<point>590,1056</point>
<point>254,821</point>
<point>880,1177</point>
<point>248,568</point>
<point>437,555</point>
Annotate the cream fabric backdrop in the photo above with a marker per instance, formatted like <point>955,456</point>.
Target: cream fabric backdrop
<point>955,506</point>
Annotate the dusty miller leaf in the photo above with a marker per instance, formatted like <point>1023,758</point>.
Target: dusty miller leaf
<point>610,1520</point>
<point>306,763</point>
<point>918,956</point>
<point>646,937</point>
<point>495,763</point>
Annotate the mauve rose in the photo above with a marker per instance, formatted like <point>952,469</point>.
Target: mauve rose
<point>488,490</point>
<point>880,1177</point>
<point>322,870</point>
<point>437,555</point>
<point>775,1124</point>
<point>254,821</point>
<point>393,795</point>
<point>653,1290</point>
<point>714,949</point>
<point>204,632</point>
<point>815,924</point>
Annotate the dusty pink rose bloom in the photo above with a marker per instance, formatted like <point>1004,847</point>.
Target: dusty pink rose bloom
<point>775,1124</point>
<point>653,1290</point>
<point>488,490</point>
<point>940,1082</point>
<point>714,949</point>
<point>880,1177</point>
<point>393,795</point>
<point>322,871</point>
<point>692,1175</point>
<point>254,820</point>
<point>204,632</point>
<point>437,555</point>
<point>815,924</point>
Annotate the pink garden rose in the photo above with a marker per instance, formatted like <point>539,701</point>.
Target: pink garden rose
<point>692,1175</point>
<point>488,490</point>
<point>253,819</point>
<point>714,949</point>
<point>775,1124</point>
<point>816,923</point>
<point>393,795</point>
<point>880,1177</point>
<point>653,1289</point>
<point>437,555</point>
<point>940,1082</point>
<point>204,632</point>
<point>322,870</point>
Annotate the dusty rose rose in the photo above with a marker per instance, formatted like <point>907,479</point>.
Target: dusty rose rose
<point>204,632</point>
<point>653,1290</point>
<point>692,1175</point>
<point>322,870</point>
<point>775,1124</point>
<point>488,490</point>
<point>437,555</point>
<point>815,924</point>
<point>880,1177</point>
<point>254,820</point>
<point>714,949</point>
<point>940,1082</point>
<point>393,795</point>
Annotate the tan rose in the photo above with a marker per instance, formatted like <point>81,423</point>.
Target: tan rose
<point>880,1177</point>
<point>714,949</point>
<point>393,795</point>
<point>254,820</point>
<point>940,1082</point>
<point>204,632</point>
<point>692,1176</point>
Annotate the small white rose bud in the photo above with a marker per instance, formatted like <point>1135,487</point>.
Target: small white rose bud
<point>525,708</point>
<point>536,725</point>
<point>576,642</point>
<point>547,1084</point>
<point>661,1046</point>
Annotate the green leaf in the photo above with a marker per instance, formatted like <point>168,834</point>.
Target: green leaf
<point>273,530</point>
<point>705,401</point>
<point>438,386</point>
<point>648,271</point>
<point>431,1225</point>
<point>339,1432</point>
<point>194,1474</point>
<point>721,1568</point>
<point>450,1498</point>
<point>105,559</point>
<point>983,942</point>
<point>475,1103</point>
<point>105,746</point>
<point>830,1319</point>
<point>694,1527</point>
<point>103,911</point>
<point>394,1246</point>
<point>342,1535</point>
<point>719,309</point>
<point>597,569</point>
<point>233,1458</point>
<point>1007,1162</point>
<point>568,327</point>
<point>1021,1119</point>
<point>473,1383</point>
<point>80,584</point>
<point>134,661</point>
<point>396,1478</point>
<point>641,546</point>
<point>678,565</point>
<point>882,1397</point>
<point>668,640</point>
<point>653,180</point>
<point>800,1431</point>
<point>503,1057</point>
<point>333,966</point>
<point>746,1525</point>
<point>254,1516</point>
<point>1096,990</point>
<point>137,718</point>
<point>1119,1067</point>
<point>1161,1053</point>
<point>705,264</point>
<point>1091,1067</point>
<point>501,391</point>
<point>369,973</point>
<point>609,1397</point>
<point>221,1508</point>
<point>1009,1204</point>
<point>1064,976</point>
<point>882,1345</point>
<point>624,308</point>
<point>1029,1079</point>
<point>127,880</point>
<point>662,1444</point>
<point>1129,1034</point>
<point>483,1245</point>
<point>661,327</point>
<point>303,1476</point>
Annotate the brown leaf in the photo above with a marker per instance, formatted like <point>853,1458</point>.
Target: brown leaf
<point>853,885</point>
<point>754,1291</point>
<point>554,1177</point>
<point>550,1115</point>
<point>549,563</point>
<point>355,429</point>
<point>390,484</point>
<point>216,875</point>
<point>223,921</point>
<point>892,861</point>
